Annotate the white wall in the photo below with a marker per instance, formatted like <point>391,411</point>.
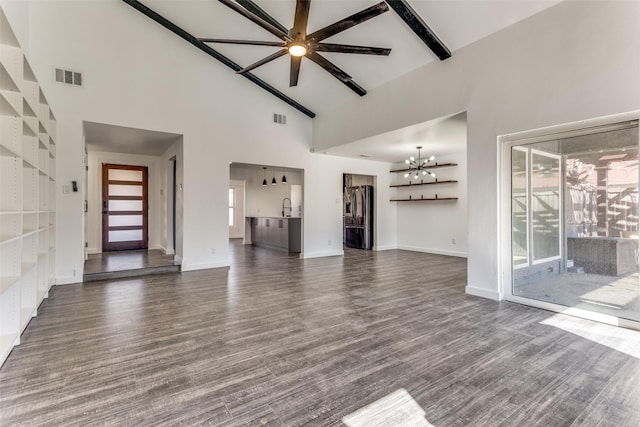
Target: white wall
<point>571,62</point>
<point>138,74</point>
<point>156,208</point>
<point>433,226</point>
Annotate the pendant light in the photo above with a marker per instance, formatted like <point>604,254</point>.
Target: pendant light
<point>264,177</point>
<point>284,175</point>
<point>419,167</point>
<point>273,180</point>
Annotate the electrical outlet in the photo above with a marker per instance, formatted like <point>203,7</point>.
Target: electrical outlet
<point>213,251</point>
<point>453,241</point>
<point>329,243</point>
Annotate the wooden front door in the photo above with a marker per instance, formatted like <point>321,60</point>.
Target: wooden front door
<point>124,207</point>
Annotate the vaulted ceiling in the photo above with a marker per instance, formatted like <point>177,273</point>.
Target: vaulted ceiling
<point>457,23</point>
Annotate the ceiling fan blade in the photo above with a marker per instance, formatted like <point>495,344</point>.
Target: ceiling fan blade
<point>329,66</point>
<point>348,22</point>
<point>336,72</point>
<point>257,20</point>
<point>263,61</point>
<point>249,42</point>
<point>295,70</point>
<point>345,48</point>
<point>301,18</point>
<point>256,10</point>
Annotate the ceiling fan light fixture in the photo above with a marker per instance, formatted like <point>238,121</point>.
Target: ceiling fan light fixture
<point>297,49</point>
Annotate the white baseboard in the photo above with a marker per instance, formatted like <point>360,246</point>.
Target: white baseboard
<point>166,251</point>
<point>70,280</point>
<point>484,293</point>
<point>432,251</point>
<point>385,248</point>
<point>204,265</point>
<point>177,259</point>
<point>93,251</point>
<point>308,255</point>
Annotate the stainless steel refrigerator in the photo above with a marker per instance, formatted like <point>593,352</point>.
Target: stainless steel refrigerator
<point>358,217</point>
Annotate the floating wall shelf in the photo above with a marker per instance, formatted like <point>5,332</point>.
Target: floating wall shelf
<point>430,199</point>
<point>449,181</point>
<point>435,166</point>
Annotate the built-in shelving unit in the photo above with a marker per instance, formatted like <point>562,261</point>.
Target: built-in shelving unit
<point>27,192</point>
<point>402,196</point>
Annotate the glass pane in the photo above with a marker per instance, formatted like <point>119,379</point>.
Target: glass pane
<point>519,245</point>
<point>232,197</point>
<point>125,235</point>
<point>595,265</point>
<point>125,190</point>
<point>545,206</point>
<point>125,205</point>
<point>231,217</point>
<point>124,220</point>
<point>124,175</point>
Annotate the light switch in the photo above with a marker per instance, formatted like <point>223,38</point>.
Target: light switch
<point>66,189</point>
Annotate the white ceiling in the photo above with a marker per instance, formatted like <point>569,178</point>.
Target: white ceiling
<point>436,137</point>
<point>457,23</point>
<point>119,139</point>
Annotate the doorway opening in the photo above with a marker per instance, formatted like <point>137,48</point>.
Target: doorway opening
<point>133,212</point>
<point>266,207</point>
<point>358,211</point>
<point>574,211</point>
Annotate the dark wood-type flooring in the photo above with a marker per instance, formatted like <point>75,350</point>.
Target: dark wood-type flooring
<point>118,264</point>
<point>280,341</point>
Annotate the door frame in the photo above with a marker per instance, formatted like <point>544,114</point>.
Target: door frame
<point>144,243</point>
<point>504,145</point>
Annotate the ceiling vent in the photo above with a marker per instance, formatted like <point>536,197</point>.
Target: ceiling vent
<point>68,77</point>
<point>280,119</point>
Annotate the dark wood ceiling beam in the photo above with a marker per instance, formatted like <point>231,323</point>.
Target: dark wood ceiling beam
<point>418,26</point>
<point>258,11</point>
<point>216,55</point>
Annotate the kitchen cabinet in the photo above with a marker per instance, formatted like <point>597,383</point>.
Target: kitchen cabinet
<point>276,233</point>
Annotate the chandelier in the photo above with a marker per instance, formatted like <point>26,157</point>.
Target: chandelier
<point>418,167</point>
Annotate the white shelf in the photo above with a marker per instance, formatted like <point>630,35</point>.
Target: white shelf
<point>27,186</point>
<point>6,282</point>
<point>10,103</point>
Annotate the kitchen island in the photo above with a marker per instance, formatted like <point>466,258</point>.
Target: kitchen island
<point>280,233</point>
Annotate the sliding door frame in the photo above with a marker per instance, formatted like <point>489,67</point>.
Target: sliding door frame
<point>504,145</point>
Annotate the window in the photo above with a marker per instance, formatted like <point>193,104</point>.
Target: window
<point>232,206</point>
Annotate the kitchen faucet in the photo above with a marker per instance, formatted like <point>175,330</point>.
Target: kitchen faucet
<point>286,207</point>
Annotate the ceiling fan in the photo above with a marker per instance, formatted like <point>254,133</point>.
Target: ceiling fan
<point>298,44</point>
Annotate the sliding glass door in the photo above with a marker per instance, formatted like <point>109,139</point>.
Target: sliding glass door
<point>574,220</point>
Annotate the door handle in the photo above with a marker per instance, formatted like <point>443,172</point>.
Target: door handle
<point>105,207</point>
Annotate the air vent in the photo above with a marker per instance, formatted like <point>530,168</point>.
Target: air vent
<point>280,119</point>
<point>68,77</point>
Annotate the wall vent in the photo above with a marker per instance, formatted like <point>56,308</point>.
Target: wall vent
<point>68,77</point>
<point>280,119</point>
